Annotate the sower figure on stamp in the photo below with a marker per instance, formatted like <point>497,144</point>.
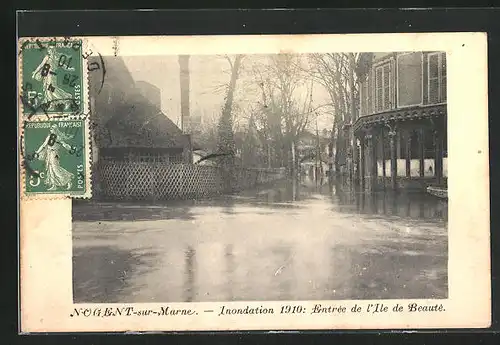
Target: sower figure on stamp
<point>49,151</point>
<point>45,73</point>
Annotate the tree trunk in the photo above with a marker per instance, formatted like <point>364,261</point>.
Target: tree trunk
<point>226,142</point>
<point>226,138</point>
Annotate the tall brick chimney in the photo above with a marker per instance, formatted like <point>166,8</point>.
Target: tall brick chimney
<point>184,83</point>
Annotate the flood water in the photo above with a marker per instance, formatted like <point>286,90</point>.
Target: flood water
<point>287,241</point>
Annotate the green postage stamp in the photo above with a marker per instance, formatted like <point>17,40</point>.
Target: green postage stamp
<point>53,118</point>
<point>54,158</point>
<point>52,77</point>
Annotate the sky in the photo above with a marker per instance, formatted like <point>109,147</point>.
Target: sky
<point>207,74</point>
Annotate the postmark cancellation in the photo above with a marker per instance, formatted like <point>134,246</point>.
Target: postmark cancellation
<point>53,78</point>
<point>53,118</point>
<point>55,158</point>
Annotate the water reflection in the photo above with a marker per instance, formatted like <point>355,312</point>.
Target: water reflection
<point>288,191</point>
<point>101,273</point>
<point>415,205</point>
<point>190,273</point>
<point>230,266</point>
<point>325,243</point>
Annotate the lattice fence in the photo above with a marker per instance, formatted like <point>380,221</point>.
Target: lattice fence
<point>159,181</point>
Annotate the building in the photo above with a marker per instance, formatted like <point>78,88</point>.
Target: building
<point>129,127</point>
<point>401,133</point>
<point>312,153</point>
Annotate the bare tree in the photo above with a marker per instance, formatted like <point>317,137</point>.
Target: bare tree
<point>226,145</point>
<point>285,108</point>
<point>217,133</point>
<point>226,134</point>
<point>335,71</point>
<point>208,134</point>
<point>252,150</point>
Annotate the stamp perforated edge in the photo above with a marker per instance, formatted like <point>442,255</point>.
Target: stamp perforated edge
<point>84,73</point>
<point>67,117</point>
<point>87,159</point>
<point>87,121</point>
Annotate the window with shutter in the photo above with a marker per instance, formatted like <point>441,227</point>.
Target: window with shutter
<point>387,88</point>
<point>383,88</point>
<point>379,90</point>
<point>443,78</point>
<point>433,78</point>
<point>437,78</point>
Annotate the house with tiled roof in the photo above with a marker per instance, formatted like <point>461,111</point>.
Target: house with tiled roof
<point>127,126</point>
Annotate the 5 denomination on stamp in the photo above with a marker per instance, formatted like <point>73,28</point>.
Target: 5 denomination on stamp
<point>52,79</point>
<point>55,157</point>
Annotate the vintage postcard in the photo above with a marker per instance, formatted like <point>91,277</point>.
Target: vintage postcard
<point>281,182</point>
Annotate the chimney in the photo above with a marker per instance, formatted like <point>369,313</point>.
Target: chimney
<point>184,83</point>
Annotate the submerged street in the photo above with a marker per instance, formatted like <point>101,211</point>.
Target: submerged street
<point>279,242</point>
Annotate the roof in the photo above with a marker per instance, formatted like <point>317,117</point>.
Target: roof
<point>137,122</point>
<point>130,119</point>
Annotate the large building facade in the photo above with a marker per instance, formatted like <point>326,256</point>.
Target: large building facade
<point>400,134</point>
